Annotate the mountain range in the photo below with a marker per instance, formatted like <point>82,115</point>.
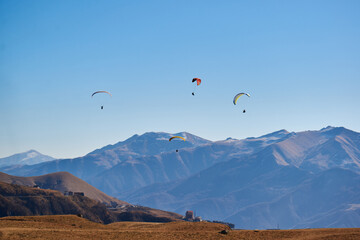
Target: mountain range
<point>291,179</point>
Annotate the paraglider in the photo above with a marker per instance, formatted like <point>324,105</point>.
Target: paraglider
<point>176,137</point>
<point>198,82</point>
<point>92,95</point>
<point>100,92</point>
<point>237,96</point>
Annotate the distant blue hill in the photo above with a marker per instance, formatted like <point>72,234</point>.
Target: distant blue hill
<point>30,157</point>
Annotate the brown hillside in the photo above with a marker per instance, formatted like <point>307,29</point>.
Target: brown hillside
<point>16,200</point>
<point>72,227</point>
<point>145,214</point>
<point>62,181</point>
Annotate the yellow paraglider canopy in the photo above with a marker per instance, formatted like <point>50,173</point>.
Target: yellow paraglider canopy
<point>176,137</point>
<point>237,96</point>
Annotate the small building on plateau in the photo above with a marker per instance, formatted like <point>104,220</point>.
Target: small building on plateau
<point>189,216</point>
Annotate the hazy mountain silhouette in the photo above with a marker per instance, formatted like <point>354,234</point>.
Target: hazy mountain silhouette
<point>27,158</point>
<point>329,200</point>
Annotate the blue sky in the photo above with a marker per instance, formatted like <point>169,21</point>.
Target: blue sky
<point>299,60</point>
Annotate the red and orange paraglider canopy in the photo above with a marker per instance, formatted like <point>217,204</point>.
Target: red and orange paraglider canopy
<point>198,81</point>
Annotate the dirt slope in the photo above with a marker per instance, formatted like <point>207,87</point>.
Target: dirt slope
<point>18,200</point>
<point>62,181</point>
<point>72,227</point>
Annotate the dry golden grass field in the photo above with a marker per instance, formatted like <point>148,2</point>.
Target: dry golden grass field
<point>73,227</point>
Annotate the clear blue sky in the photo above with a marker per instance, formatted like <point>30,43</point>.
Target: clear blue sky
<point>299,60</point>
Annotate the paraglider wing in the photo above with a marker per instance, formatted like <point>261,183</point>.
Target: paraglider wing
<point>176,137</point>
<point>237,96</point>
<point>198,81</point>
<point>100,92</point>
